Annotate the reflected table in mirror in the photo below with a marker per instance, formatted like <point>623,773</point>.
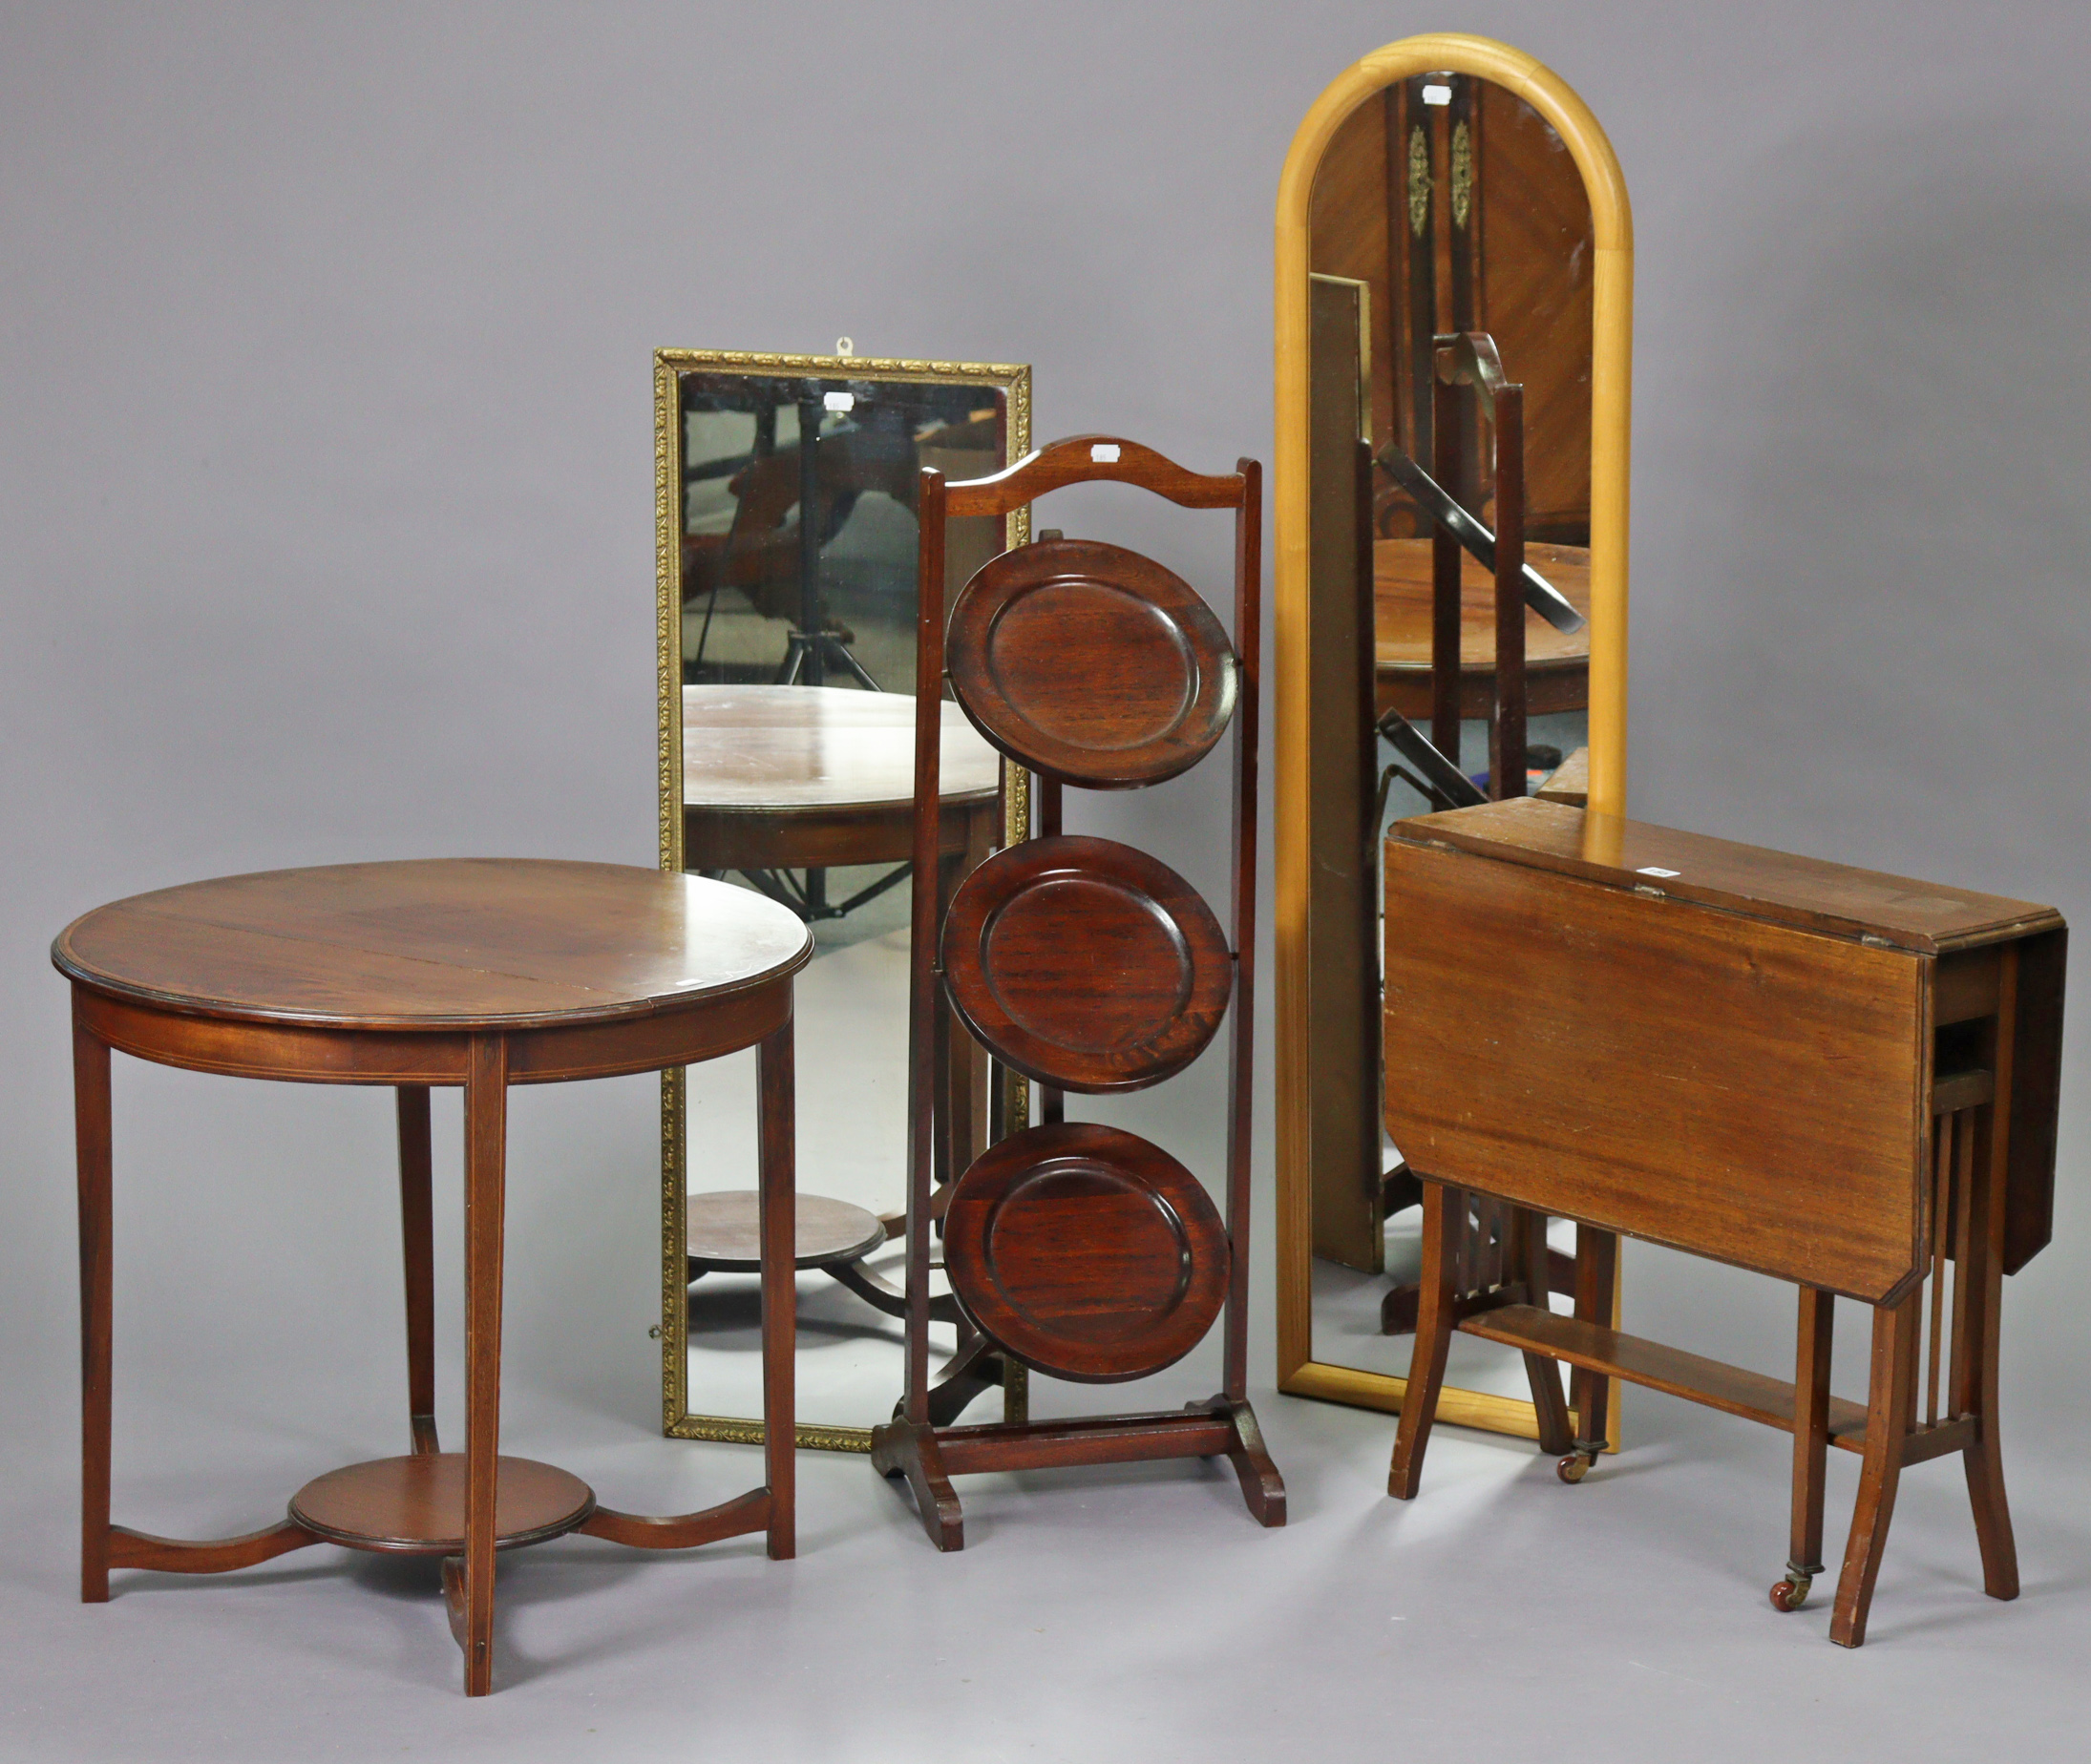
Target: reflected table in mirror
<point>482,973</point>
<point>784,777</point>
<point>1557,662</point>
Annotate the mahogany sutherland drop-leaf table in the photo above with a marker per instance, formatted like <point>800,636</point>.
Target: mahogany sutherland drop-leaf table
<point>482,973</point>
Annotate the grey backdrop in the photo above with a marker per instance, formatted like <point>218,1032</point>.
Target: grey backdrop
<point>325,528</point>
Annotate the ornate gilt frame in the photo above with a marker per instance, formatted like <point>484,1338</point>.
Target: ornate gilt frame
<point>1014,380</point>
<point>1611,392</point>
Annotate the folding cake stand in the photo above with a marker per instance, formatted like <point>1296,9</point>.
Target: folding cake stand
<point>1070,1247</point>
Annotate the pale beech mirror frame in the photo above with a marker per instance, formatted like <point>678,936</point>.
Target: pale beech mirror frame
<point>1012,383</point>
<point>1611,386</point>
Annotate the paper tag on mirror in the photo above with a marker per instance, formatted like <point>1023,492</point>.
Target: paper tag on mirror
<point>838,401</point>
<point>1437,94</point>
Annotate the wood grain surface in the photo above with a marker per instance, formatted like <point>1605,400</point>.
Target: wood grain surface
<point>1091,662</point>
<point>1774,886</point>
<point>1729,1087</point>
<point>436,944</point>
<point>1088,1251</point>
<point>1087,964</point>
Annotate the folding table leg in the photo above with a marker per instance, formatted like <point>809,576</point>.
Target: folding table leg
<point>1444,1214</point>
<point>1891,1391</point>
<point>1981,1274</point>
<point>1590,1393</point>
<point>1528,1246</point>
<point>1810,1447</point>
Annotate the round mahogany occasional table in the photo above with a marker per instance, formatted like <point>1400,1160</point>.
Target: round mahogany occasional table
<point>479,973</point>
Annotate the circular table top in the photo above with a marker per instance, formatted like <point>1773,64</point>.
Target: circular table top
<point>757,748</point>
<point>444,943</point>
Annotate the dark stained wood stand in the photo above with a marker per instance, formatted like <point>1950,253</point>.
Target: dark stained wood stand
<point>1831,1076</point>
<point>1073,1248</point>
<point>482,973</point>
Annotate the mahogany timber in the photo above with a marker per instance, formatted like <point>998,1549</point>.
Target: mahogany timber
<point>1964,928</point>
<point>483,973</point>
<point>1094,1254</point>
<point>1091,663</point>
<point>1636,1039</point>
<point>1087,964</point>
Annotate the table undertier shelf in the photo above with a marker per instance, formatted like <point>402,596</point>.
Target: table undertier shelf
<point>416,1506</point>
<point>1715,1383</point>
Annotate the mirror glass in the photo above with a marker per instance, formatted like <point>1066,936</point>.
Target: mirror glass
<point>1443,203</point>
<point>788,602</point>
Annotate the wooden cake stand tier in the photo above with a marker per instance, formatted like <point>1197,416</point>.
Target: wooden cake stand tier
<point>479,973</point>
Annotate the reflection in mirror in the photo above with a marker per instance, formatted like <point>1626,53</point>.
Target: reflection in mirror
<point>1445,229</point>
<point>787,604</point>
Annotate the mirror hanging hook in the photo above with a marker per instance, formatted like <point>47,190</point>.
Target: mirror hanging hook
<point>845,347</point>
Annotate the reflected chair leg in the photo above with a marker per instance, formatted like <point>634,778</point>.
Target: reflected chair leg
<point>1444,1214</point>
<point>1810,1447</point>
<point>1597,1281</point>
<point>779,1290</point>
<point>1528,1247</point>
<point>1891,1390</point>
<point>92,1146</point>
<point>417,1231</point>
<point>486,1133</point>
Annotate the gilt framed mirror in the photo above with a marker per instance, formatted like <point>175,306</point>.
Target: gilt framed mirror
<point>1444,191</point>
<point>786,583</point>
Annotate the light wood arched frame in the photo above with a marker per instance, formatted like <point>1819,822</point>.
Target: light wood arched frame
<point>1611,388</point>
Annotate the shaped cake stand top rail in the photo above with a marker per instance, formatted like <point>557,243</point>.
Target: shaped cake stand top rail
<point>1083,459</point>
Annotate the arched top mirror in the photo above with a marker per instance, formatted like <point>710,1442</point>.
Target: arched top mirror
<point>1455,257</point>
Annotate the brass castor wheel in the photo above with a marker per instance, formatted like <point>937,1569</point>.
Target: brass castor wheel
<point>1792,1593</point>
<point>1573,1468</point>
